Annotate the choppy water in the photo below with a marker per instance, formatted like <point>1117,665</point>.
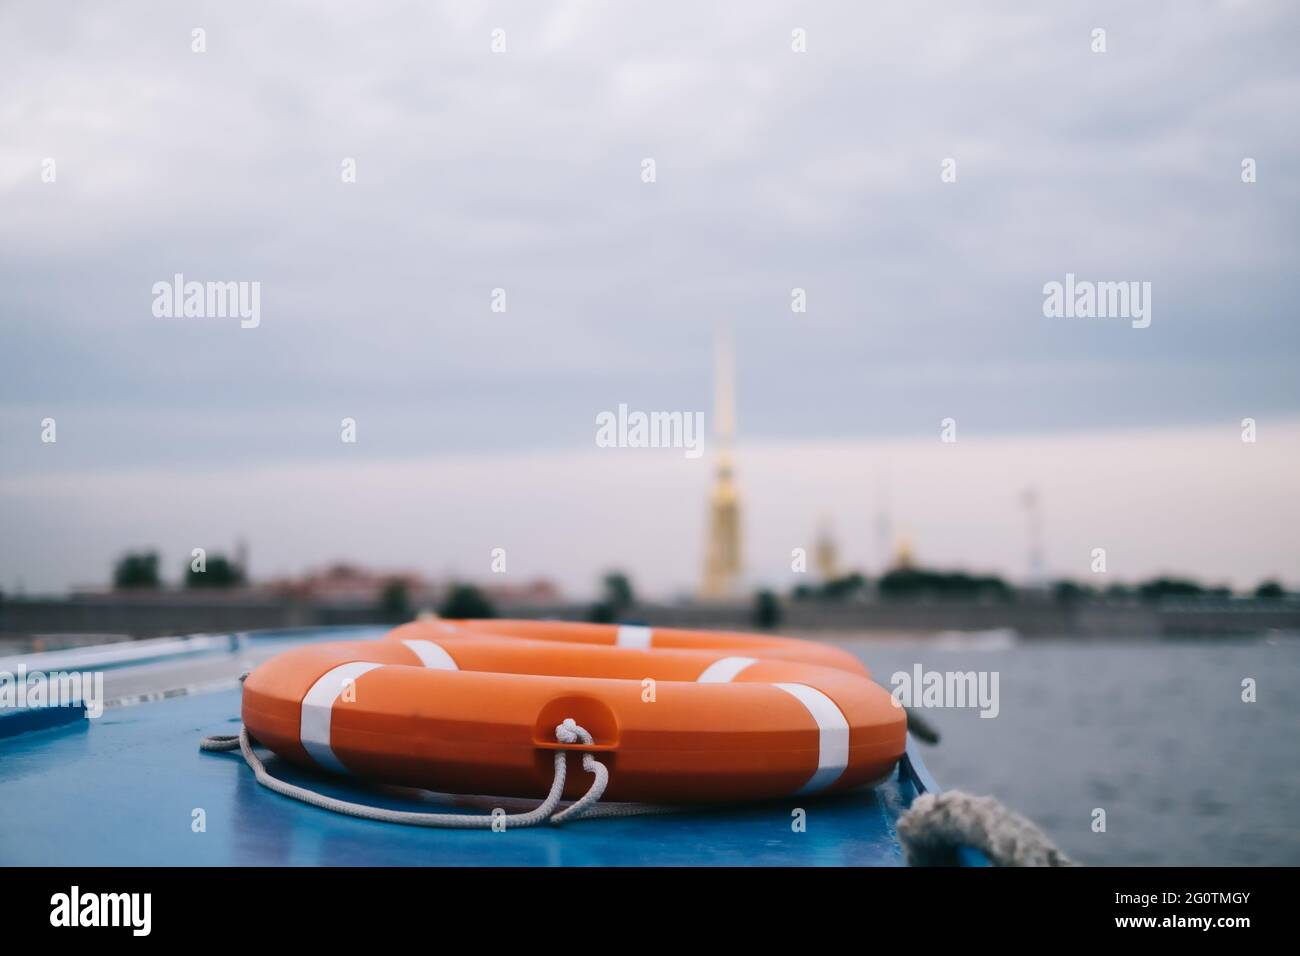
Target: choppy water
<point>1155,733</point>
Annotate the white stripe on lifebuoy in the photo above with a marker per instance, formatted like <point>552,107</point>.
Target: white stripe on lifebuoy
<point>318,712</point>
<point>433,655</point>
<point>630,635</point>
<point>724,670</point>
<point>833,745</point>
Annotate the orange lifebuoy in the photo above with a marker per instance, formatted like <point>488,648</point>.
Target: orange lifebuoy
<point>624,635</point>
<point>676,716</point>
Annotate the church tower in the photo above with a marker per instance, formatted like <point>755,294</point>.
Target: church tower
<point>826,553</point>
<point>722,562</point>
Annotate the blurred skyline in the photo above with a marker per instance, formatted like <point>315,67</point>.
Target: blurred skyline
<point>521,170</point>
<point>1186,501</point>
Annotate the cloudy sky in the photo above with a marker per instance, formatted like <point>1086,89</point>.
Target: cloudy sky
<point>522,170</point>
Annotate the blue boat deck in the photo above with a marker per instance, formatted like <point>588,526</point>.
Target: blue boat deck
<point>122,790</point>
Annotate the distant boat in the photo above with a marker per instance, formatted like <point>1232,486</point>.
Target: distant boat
<point>994,639</point>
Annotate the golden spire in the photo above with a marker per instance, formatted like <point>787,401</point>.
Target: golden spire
<point>722,562</point>
<point>826,553</point>
<point>903,555</point>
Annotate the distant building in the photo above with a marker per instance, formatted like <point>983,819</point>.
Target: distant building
<point>349,584</point>
<point>1036,566</point>
<point>723,562</point>
<point>826,554</point>
<point>526,593</point>
<point>904,559</point>
<point>344,583</point>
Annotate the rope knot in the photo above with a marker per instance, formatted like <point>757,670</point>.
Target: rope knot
<point>569,732</point>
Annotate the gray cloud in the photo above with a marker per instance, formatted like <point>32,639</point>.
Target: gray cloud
<point>521,171</point>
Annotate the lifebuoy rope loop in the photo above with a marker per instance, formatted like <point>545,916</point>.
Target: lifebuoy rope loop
<point>570,733</point>
<point>567,732</point>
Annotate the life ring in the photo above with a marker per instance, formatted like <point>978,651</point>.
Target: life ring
<point>459,708</point>
<point>659,638</point>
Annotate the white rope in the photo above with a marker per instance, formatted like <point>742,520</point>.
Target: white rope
<point>930,830</point>
<point>569,733</point>
<point>934,826</point>
<point>566,733</point>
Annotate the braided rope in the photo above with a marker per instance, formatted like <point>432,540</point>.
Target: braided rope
<point>934,826</point>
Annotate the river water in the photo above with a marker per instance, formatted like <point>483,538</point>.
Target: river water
<point>1155,733</point>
